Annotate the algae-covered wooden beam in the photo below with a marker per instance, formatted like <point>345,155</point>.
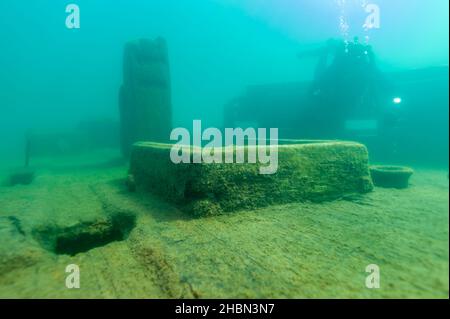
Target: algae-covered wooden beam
<point>145,96</point>
<point>307,171</point>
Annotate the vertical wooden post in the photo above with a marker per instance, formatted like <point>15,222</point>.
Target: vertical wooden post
<point>145,96</point>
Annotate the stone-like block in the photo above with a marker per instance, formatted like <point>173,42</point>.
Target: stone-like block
<point>307,171</point>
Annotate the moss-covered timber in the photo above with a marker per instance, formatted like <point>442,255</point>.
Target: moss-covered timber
<point>307,171</point>
<point>145,96</point>
<point>391,176</point>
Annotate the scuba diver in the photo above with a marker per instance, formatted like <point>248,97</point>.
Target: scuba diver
<point>350,86</point>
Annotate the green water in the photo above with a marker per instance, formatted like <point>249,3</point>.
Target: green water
<point>232,63</point>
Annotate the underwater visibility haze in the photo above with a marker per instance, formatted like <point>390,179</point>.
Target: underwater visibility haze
<point>224,149</point>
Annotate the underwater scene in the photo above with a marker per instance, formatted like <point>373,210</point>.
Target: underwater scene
<point>223,149</point>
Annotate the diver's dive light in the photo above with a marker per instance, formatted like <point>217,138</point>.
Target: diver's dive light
<point>397,100</point>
